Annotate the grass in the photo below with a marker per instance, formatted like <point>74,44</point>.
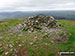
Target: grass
<point>69,26</point>
<point>34,44</point>
<point>10,23</point>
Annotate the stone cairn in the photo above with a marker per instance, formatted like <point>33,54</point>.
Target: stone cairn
<point>36,22</point>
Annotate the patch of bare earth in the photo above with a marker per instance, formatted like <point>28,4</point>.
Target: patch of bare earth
<point>54,51</point>
<point>22,51</point>
<point>35,51</point>
<point>62,39</point>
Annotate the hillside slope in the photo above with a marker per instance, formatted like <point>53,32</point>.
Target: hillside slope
<point>34,44</point>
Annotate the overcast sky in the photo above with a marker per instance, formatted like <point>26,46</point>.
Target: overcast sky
<point>35,5</point>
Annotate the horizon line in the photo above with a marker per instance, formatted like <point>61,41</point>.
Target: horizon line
<point>36,10</point>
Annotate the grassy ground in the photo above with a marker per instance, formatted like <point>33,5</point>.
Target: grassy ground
<point>70,26</point>
<point>28,44</point>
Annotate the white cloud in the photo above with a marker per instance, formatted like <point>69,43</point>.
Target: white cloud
<point>33,5</point>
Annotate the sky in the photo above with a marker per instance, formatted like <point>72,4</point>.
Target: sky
<point>36,5</point>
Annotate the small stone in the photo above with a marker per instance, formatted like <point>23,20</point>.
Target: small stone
<point>10,45</point>
<point>16,41</point>
<point>15,55</point>
<point>16,50</point>
<point>46,43</point>
<point>36,37</point>
<point>7,45</point>
<point>19,45</point>
<point>52,41</point>
<point>1,37</point>
<point>6,53</point>
<point>23,41</point>
<point>36,20</point>
<point>13,44</point>
<point>11,49</point>
<point>0,45</point>
<point>31,43</point>
<point>20,35</point>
